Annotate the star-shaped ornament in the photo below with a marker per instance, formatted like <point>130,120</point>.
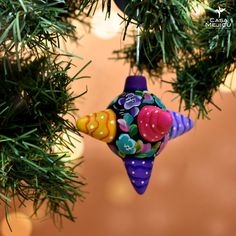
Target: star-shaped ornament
<point>136,126</point>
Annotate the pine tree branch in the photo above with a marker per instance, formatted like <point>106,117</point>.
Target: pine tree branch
<point>34,99</point>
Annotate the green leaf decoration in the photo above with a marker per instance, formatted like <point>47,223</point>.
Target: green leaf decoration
<point>128,118</point>
<point>141,155</point>
<point>159,102</point>
<point>139,93</point>
<point>138,146</point>
<point>133,130</point>
<point>120,153</point>
<point>156,146</point>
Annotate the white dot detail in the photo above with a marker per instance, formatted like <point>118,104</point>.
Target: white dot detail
<point>146,173</point>
<point>144,135</point>
<point>133,172</point>
<point>111,137</point>
<point>102,117</point>
<point>148,113</point>
<point>112,122</point>
<point>146,125</point>
<point>156,111</point>
<point>142,182</point>
<point>133,162</point>
<point>133,181</point>
<point>101,133</point>
<point>91,127</point>
<point>143,162</point>
<point>153,126</point>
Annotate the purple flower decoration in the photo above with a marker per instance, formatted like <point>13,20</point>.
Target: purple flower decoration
<point>134,111</point>
<point>130,100</point>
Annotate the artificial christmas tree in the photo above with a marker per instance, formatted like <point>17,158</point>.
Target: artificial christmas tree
<point>35,96</point>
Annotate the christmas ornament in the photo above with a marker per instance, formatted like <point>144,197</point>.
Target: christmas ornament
<point>136,126</point>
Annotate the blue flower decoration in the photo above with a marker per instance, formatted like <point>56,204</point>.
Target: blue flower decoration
<point>128,118</point>
<point>126,144</point>
<point>130,100</point>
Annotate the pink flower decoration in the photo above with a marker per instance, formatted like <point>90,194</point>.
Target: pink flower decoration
<point>123,125</point>
<point>146,147</point>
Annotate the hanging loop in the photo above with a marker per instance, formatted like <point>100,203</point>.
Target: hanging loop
<point>138,42</point>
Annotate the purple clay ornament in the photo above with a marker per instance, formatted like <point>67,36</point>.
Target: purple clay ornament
<point>136,126</point>
<point>139,172</point>
<point>150,133</point>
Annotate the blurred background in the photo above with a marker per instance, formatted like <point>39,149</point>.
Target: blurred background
<point>192,190</point>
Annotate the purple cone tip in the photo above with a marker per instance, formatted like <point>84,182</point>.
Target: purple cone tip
<point>139,172</point>
<point>181,124</point>
<point>135,82</point>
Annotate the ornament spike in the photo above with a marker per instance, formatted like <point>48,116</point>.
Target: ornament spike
<point>154,123</point>
<point>181,125</point>
<point>100,125</point>
<point>139,171</point>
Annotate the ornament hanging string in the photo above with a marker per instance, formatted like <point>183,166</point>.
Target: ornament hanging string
<point>137,42</point>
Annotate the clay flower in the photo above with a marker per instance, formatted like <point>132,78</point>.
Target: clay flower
<point>125,122</point>
<point>123,125</point>
<point>131,102</point>
<point>126,144</point>
<point>146,147</point>
<point>148,99</point>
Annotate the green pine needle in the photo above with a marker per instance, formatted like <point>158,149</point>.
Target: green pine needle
<point>170,37</point>
<point>35,96</point>
<point>33,103</point>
